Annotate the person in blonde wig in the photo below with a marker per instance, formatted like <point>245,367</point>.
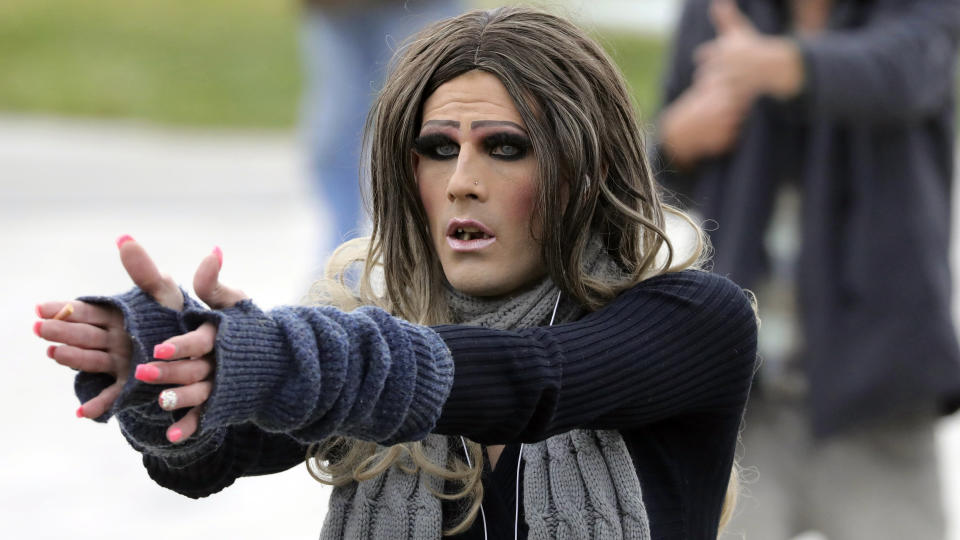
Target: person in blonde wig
<point>520,352</point>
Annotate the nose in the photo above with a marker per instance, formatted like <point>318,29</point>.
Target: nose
<point>466,182</point>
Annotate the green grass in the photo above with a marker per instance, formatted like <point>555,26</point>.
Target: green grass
<point>214,63</point>
<point>210,62</point>
<point>641,58</point>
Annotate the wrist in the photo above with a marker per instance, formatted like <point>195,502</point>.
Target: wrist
<point>676,145</point>
<point>784,69</point>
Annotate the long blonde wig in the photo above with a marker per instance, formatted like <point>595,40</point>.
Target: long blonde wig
<point>593,179</point>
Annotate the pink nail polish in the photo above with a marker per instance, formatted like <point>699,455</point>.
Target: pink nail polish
<point>219,253</point>
<point>174,434</point>
<point>39,314</point>
<point>147,373</point>
<point>121,240</point>
<point>36,327</point>
<point>50,350</point>
<point>80,411</point>
<point>164,351</point>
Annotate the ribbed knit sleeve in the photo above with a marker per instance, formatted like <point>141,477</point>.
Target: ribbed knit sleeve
<point>244,450</point>
<point>314,372</point>
<point>674,344</point>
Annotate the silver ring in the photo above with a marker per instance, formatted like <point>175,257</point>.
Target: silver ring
<point>168,400</point>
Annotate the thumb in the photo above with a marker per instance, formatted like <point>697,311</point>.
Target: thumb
<point>206,283</point>
<point>727,17</point>
<point>144,273</point>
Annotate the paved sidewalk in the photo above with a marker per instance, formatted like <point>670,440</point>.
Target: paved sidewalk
<point>69,189</point>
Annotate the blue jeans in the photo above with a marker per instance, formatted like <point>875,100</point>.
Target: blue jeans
<point>345,53</point>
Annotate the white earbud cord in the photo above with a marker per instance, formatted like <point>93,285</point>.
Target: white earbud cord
<point>483,516</point>
<point>516,493</point>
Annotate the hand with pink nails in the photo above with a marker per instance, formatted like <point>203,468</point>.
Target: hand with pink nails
<point>92,339</point>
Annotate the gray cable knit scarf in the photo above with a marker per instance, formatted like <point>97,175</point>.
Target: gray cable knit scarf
<point>576,485</point>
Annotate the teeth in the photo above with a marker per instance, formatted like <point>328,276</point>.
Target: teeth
<point>470,233</point>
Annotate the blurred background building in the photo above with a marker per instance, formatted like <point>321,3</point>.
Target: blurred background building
<point>176,122</point>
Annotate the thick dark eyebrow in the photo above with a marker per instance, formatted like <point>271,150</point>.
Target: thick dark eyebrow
<point>441,123</point>
<point>473,125</point>
<point>488,123</point>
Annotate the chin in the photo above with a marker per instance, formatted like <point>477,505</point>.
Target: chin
<point>477,287</point>
<point>481,284</point>
<point>475,282</point>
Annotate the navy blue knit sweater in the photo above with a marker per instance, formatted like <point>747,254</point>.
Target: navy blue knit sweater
<point>668,363</point>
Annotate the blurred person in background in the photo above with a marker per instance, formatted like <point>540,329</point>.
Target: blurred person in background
<point>818,135</point>
<point>345,46</point>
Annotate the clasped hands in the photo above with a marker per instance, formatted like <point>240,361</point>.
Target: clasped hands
<point>732,70</point>
<point>93,339</point>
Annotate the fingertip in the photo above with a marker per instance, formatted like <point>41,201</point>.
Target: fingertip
<point>123,239</point>
<point>50,351</point>
<point>147,373</point>
<point>174,434</point>
<point>206,277</point>
<point>80,412</point>
<point>720,9</point>
<point>164,351</point>
<point>39,311</point>
<point>218,253</point>
<point>36,328</point>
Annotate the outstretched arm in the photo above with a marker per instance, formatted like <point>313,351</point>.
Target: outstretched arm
<point>266,383</point>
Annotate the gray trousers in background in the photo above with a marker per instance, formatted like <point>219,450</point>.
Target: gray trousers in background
<point>877,483</point>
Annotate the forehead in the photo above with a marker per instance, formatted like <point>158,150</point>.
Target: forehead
<point>475,94</point>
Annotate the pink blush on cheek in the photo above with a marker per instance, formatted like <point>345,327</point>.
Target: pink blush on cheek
<point>520,208</point>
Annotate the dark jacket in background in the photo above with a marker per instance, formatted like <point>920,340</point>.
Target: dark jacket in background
<point>870,142</point>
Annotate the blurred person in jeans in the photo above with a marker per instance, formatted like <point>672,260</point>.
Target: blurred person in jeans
<point>345,46</point>
<point>818,135</point>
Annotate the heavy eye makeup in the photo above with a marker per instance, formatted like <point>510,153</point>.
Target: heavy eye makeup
<point>507,145</point>
<point>436,146</point>
<point>504,145</point>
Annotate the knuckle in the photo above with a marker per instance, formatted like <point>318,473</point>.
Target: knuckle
<point>208,338</point>
<point>151,283</point>
<point>184,346</point>
<point>199,371</point>
<point>52,330</point>
<point>116,362</point>
<point>63,357</point>
<point>98,361</point>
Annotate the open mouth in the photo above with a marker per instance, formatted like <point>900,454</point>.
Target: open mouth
<point>467,235</point>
